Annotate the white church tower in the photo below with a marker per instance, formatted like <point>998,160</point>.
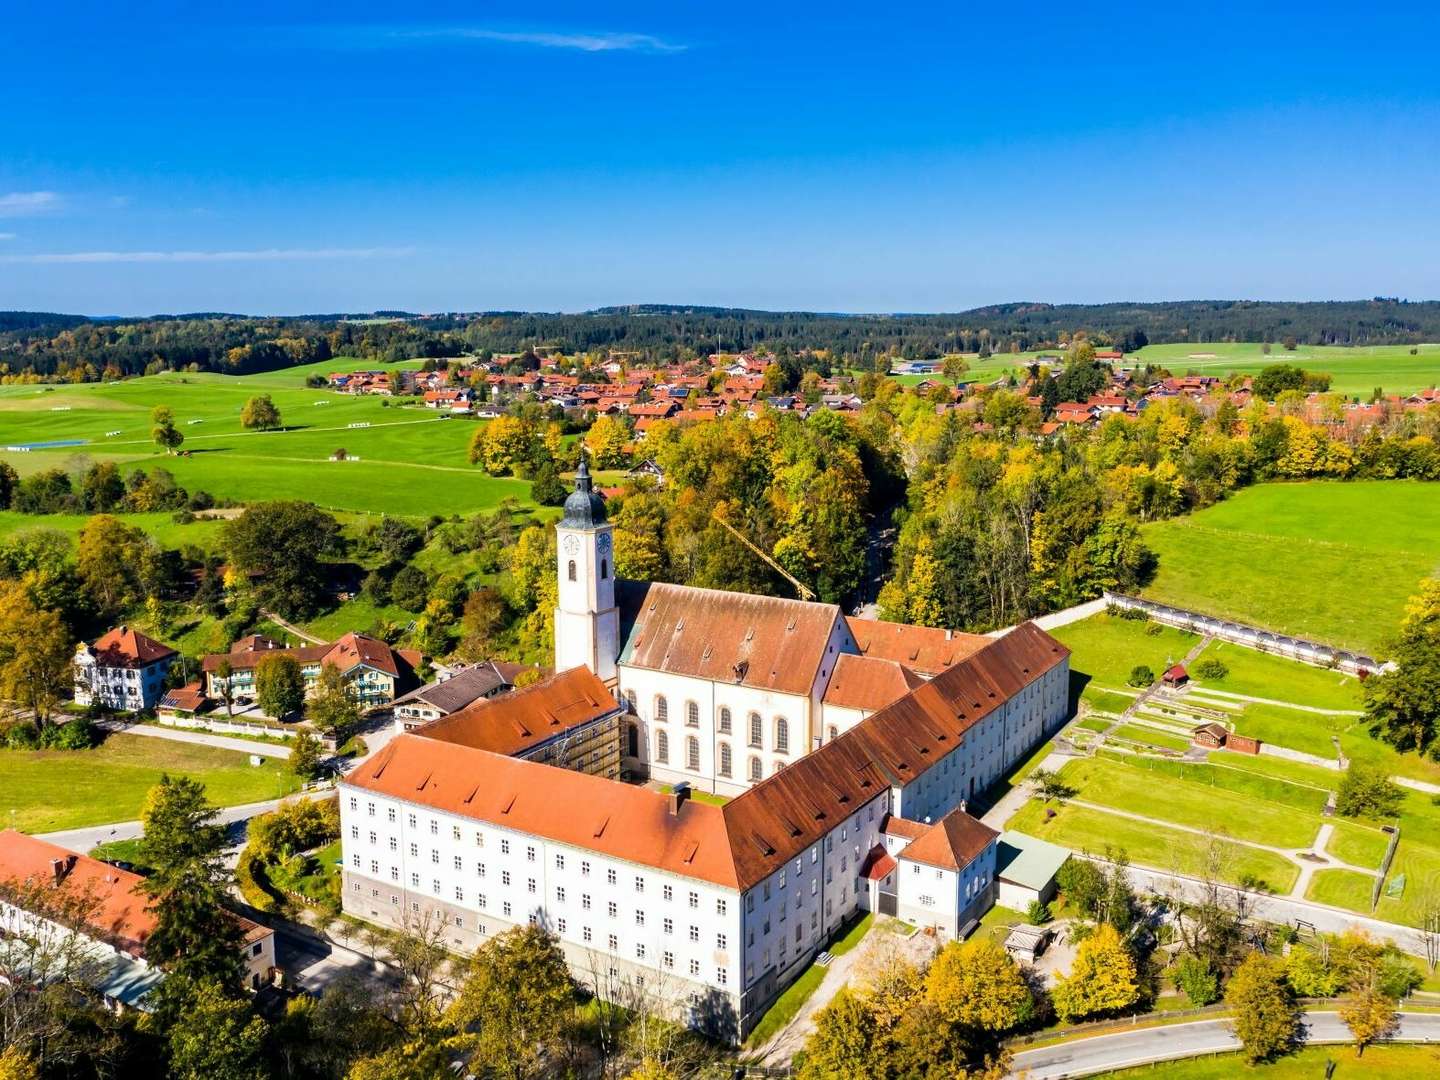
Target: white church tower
<point>587,623</point>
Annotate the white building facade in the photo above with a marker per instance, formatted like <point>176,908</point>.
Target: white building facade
<point>122,670</point>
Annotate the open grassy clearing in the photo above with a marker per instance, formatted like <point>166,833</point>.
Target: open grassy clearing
<point>1257,674</point>
<point>1305,799</point>
<point>167,533</point>
<point>1290,557</point>
<point>1398,1062</point>
<point>1282,768</point>
<point>52,790</point>
<point>1083,829</point>
<point>1341,888</point>
<point>1355,370</point>
<point>1357,845</point>
<point>1105,648</point>
<point>1197,805</point>
<point>1312,733</point>
<point>411,461</point>
<point>1142,734</point>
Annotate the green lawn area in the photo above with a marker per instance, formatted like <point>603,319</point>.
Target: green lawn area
<point>702,796</point>
<point>1106,648</point>
<point>315,875</point>
<point>1313,732</point>
<point>1265,765</point>
<point>118,851</point>
<point>1225,560</point>
<point>1095,723</point>
<point>407,454</point>
<point>1191,803</point>
<point>1420,864</point>
<point>1308,800</point>
<point>1140,733</point>
<point>1108,701</point>
<point>787,1006</point>
<point>1355,370</point>
<point>853,935</point>
<point>52,790</point>
<point>1399,1062</point>
<point>1082,829</point>
<point>1257,674</point>
<point>1356,844</point>
<point>202,534</point>
<point>1341,888</point>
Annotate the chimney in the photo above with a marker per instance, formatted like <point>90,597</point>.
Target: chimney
<point>678,796</point>
<point>57,870</point>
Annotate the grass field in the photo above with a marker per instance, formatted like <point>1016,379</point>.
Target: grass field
<point>1397,1062</point>
<point>1105,648</point>
<point>410,460</point>
<point>52,790</point>
<point>1265,675</point>
<point>1354,370</point>
<point>1082,829</point>
<point>1330,561</point>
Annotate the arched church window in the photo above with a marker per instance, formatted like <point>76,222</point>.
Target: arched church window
<point>692,754</point>
<point>662,708</point>
<point>570,570</point>
<point>692,714</point>
<point>662,747</point>
<point>724,759</point>
<point>782,735</point>
<point>755,768</point>
<point>724,720</point>
<point>757,729</point>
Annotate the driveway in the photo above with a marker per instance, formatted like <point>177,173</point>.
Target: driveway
<point>1102,1053</point>
<point>199,738</point>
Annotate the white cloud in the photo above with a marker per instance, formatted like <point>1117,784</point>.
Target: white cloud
<point>259,255</point>
<point>28,203</point>
<point>581,41</point>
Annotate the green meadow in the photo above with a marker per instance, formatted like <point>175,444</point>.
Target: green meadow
<point>1333,561</point>
<point>1355,371</point>
<point>411,461</point>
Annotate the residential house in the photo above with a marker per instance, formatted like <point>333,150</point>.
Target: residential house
<point>373,671</point>
<point>123,669</point>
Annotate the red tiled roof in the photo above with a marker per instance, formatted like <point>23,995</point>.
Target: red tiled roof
<point>186,698</point>
<point>345,653</point>
<point>952,843</point>
<point>126,648</point>
<point>760,641</point>
<point>878,863</point>
<point>925,649</point>
<point>862,682</point>
<point>523,718</point>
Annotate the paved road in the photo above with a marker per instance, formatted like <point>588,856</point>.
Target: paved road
<point>199,738</point>
<point>1102,1053</point>
<point>1284,909</point>
<point>82,840</point>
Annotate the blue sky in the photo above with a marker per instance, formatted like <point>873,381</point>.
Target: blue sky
<point>295,157</point>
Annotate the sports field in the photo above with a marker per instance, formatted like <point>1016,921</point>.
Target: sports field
<point>1354,370</point>
<point>411,460</point>
<point>1327,560</point>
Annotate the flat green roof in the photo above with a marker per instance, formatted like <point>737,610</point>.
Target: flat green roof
<point>1028,861</point>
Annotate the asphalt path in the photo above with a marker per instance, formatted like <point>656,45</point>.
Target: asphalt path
<point>1103,1053</point>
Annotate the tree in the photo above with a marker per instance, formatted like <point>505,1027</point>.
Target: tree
<point>260,414</point>
<point>279,685</point>
<point>164,433</point>
<point>1083,885</point>
<point>216,1037</point>
<point>1103,978</point>
<point>1277,378</point>
<point>1266,1016</point>
<point>415,1060</point>
<point>1370,1015</point>
<point>843,1045</point>
<point>283,544</point>
<point>955,367</point>
<point>977,985</point>
<point>1140,675</point>
<point>36,653</point>
<point>1048,785</point>
<point>109,556</point>
<point>305,751</point>
<point>547,488</point>
<point>1197,980</point>
<point>1367,791</point>
<point>332,708</point>
<point>502,444</point>
<point>224,670</point>
<point>606,441</point>
<point>517,1002</point>
<point>184,844</point>
<point>481,620</point>
<point>1403,704</point>
<point>396,539</point>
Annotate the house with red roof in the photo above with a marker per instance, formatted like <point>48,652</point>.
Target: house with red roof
<point>375,672</point>
<point>123,669</point>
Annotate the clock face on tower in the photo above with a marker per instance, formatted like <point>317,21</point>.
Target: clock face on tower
<point>572,545</point>
<point>603,543</point>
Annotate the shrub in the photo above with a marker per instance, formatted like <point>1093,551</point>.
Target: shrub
<point>1140,675</point>
<point>1038,913</point>
<point>1367,792</point>
<point>1154,630</point>
<point>1210,668</point>
<point>72,735</point>
<point>1196,980</point>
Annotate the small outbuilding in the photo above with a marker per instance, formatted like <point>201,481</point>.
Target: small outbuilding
<point>1212,735</point>
<point>1176,676</point>
<point>1025,870</point>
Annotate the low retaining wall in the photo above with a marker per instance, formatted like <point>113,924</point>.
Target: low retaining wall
<point>226,727</point>
<point>1293,648</point>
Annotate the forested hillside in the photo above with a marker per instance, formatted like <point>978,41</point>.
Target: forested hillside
<point>67,345</point>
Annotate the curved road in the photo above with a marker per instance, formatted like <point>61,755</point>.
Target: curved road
<point>1103,1053</point>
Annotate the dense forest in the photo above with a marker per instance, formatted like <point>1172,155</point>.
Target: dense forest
<point>75,347</point>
